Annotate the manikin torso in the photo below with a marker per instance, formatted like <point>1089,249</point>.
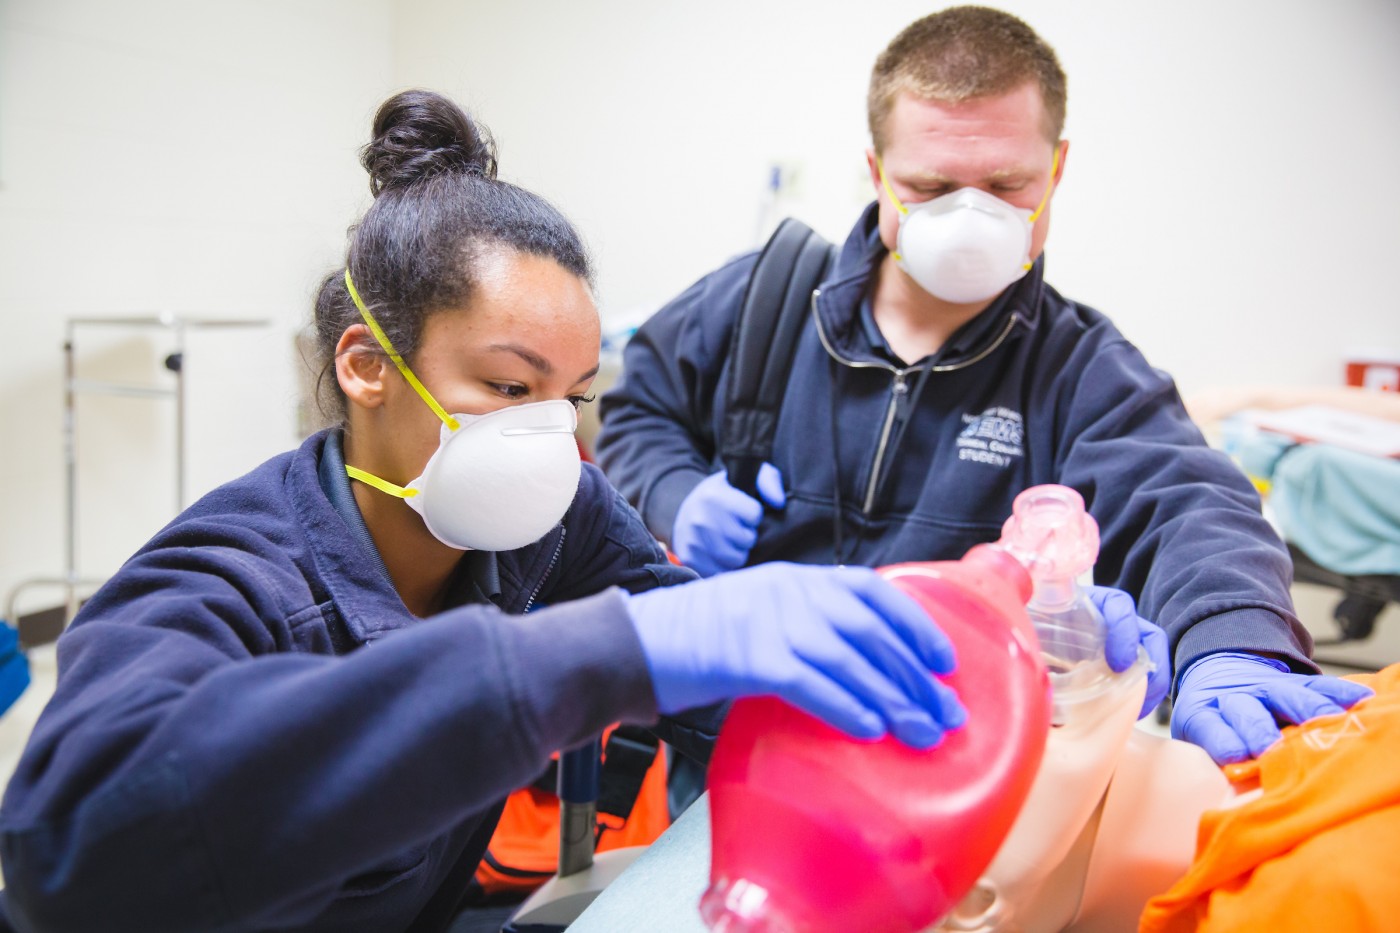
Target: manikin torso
<point>1111,817</point>
<point>1110,822</point>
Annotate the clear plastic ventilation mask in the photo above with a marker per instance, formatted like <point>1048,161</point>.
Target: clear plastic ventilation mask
<point>497,481</point>
<point>1057,541</point>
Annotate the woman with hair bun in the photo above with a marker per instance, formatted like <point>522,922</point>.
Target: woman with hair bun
<point>300,705</point>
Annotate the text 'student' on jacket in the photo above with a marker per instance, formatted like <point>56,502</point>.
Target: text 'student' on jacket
<point>251,731</point>
<point>1035,389</point>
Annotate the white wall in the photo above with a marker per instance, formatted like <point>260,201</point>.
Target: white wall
<point>1230,197</point>
<point>164,156</point>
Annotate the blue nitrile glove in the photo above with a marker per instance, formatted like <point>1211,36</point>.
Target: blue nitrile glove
<point>1228,702</point>
<point>838,642</point>
<point>1126,631</point>
<point>717,525</point>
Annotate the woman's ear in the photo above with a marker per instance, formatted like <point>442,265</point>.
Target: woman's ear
<point>360,367</point>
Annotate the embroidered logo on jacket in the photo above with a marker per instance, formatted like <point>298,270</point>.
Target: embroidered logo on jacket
<point>993,437</point>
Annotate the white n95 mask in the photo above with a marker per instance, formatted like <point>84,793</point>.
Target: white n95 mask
<point>965,246</point>
<point>497,481</point>
<point>501,480</point>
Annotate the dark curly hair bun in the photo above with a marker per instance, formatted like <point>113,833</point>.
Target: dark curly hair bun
<point>438,211</point>
<point>420,134</point>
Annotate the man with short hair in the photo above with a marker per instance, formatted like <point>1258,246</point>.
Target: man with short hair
<point>939,375</point>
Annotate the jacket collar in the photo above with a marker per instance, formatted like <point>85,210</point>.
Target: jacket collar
<point>838,303</point>
<point>479,578</point>
<point>354,574</point>
<point>335,483</point>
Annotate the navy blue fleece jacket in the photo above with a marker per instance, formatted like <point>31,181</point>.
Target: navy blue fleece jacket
<point>880,468</point>
<point>250,730</point>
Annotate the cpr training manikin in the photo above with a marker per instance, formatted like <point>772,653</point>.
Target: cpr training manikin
<point>1111,817</point>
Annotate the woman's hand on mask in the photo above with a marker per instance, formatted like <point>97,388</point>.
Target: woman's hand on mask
<point>838,642</point>
<point>1126,631</point>
<point>716,525</point>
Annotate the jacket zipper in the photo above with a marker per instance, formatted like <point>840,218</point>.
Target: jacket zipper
<point>899,387</point>
<point>898,392</point>
<point>558,549</point>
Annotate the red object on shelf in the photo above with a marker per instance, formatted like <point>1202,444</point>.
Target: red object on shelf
<point>1374,371</point>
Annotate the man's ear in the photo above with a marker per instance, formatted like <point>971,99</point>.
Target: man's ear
<point>1064,154</point>
<point>870,160</point>
<point>361,367</point>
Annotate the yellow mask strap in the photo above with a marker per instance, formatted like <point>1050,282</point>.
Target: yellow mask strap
<point>412,380</point>
<point>383,485</point>
<point>1045,198</point>
<point>894,198</point>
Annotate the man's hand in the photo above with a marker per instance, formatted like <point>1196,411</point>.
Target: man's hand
<point>1228,703</point>
<point>717,525</point>
<point>1126,632</point>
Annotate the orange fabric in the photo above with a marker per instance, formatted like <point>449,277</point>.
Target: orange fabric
<point>526,840</point>
<point>1318,849</point>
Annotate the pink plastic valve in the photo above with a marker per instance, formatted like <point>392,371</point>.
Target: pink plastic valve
<point>1051,534</point>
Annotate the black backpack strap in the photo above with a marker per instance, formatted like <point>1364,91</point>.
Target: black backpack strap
<point>779,293</point>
